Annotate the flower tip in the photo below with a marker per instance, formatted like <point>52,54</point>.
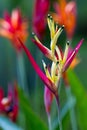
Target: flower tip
<point>68,43</point>
<point>57,62</point>
<point>48,15</point>
<point>63,26</point>
<point>79,44</point>
<point>33,33</point>
<point>82,39</point>
<point>45,66</point>
<point>51,18</point>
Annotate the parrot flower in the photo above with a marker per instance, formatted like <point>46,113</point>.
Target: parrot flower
<point>13,27</point>
<point>66,15</point>
<point>55,53</point>
<point>60,61</point>
<point>9,104</point>
<point>41,9</point>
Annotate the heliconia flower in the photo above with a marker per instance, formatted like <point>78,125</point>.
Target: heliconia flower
<point>55,53</point>
<point>13,27</point>
<point>9,104</point>
<point>48,98</point>
<point>47,81</point>
<point>68,57</point>
<point>60,60</point>
<point>66,15</point>
<point>41,9</point>
<point>54,34</point>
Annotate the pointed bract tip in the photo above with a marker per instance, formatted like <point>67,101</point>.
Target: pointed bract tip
<point>79,44</point>
<point>82,39</point>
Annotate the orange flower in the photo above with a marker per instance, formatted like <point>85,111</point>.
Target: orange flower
<point>13,27</point>
<point>66,15</point>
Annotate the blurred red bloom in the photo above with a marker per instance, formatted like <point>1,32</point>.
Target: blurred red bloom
<point>66,15</point>
<point>13,27</point>
<point>41,9</point>
<point>9,104</point>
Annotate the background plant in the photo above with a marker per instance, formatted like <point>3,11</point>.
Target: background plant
<point>27,106</point>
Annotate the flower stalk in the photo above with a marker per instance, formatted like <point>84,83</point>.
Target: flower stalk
<point>58,107</point>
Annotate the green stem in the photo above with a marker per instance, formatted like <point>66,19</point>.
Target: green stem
<point>21,72</point>
<point>49,122</point>
<point>58,107</point>
<point>36,85</point>
<point>72,111</point>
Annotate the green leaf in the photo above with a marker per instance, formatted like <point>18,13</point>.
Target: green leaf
<point>6,124</point>
<point>32,121</point>
<point>81,99</point>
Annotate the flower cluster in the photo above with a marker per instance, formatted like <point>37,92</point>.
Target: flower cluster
<point>60,60</point>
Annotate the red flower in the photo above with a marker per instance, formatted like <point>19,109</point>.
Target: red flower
<point>41,9</point>
<point>9,104</point>
<point>13,27</point>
